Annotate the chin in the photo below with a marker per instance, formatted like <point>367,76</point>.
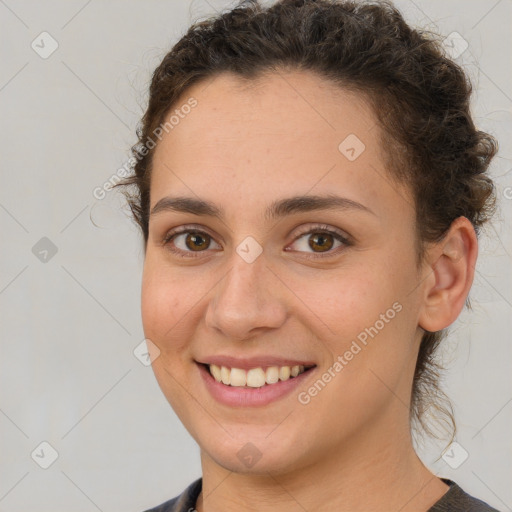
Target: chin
<point>255,455</point>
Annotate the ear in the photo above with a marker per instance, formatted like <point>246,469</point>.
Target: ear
<point>451,269</point>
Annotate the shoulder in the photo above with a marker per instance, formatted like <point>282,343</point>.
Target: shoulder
<point>457,500</point>
<point>185,502</point>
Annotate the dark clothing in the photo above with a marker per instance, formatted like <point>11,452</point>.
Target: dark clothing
<point>454,500</point>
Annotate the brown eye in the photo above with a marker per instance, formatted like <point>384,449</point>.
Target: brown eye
<point>189,242</point>
<point>197,241</point>
<point>321,242</point>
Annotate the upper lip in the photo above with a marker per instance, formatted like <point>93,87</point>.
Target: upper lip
<point>246,363</point>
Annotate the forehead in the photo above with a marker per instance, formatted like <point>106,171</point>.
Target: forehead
<point>272,109</point>
<point>281,131</point>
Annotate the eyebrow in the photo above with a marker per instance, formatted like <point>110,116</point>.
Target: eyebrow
<point>277,209</point>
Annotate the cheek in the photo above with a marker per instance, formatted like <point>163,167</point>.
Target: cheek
<point>164,305</point>
<point>157,302</point>
<point>367,307</point>
<point>348,301</point>
<point>374,324</point>
<point>163,316</point>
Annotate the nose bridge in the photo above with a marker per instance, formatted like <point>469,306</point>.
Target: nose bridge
<point>241,283</point>
<point>243,301</point>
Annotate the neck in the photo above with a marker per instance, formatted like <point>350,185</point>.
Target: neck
<point>367,474</point>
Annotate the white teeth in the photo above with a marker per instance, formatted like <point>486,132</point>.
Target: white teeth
<point>272,374</point>
<point>255,377</point>
<point>216,372</point>
<point>225,375</point>
<point>284,372</point>
<point>238,377</point>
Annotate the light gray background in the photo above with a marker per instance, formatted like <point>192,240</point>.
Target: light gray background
<point>69,325</point>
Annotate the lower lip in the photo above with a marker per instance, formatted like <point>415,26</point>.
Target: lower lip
<point>250,397</point>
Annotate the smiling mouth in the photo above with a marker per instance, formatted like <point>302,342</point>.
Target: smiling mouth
<point>255,377</point>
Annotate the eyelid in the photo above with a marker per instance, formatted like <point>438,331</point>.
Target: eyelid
<point>323,228</point>
<point>186,228</point>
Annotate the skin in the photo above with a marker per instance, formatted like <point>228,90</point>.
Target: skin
<point>349,448</point>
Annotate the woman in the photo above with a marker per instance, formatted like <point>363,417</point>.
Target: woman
<point>310,185</point>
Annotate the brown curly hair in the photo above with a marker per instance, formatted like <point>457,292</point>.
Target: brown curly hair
<point>420,96</point>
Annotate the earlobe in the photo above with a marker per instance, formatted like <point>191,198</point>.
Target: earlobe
<point>452,266</point>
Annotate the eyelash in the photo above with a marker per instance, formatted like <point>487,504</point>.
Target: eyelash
<point>319,229</point>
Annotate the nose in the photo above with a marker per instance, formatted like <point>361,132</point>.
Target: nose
<point>247,301</point>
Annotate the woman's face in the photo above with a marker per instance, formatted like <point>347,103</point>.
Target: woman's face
<point>269,280</point>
